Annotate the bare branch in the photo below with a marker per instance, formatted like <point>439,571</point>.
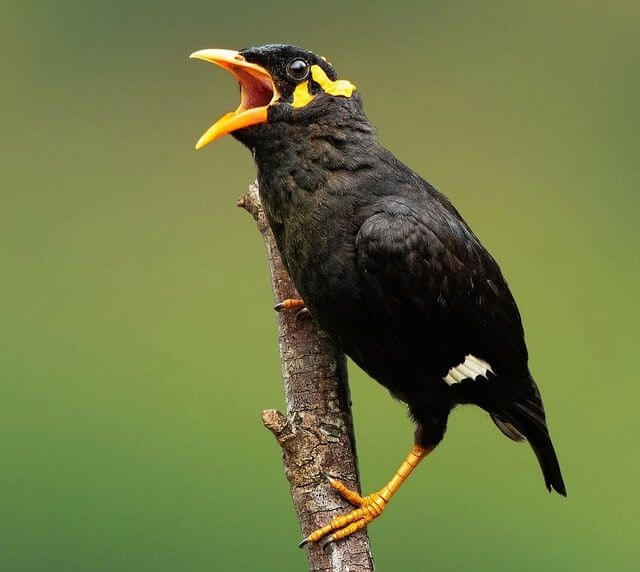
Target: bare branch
<point>316,435</point>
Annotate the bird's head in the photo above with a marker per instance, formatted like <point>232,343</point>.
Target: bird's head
<point>278,83</point>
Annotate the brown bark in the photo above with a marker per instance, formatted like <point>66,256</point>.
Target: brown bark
<point>316,434</point>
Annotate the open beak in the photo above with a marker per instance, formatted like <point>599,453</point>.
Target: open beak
<point>257,92</point>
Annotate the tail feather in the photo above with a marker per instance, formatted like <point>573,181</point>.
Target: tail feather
<point>531,424</point>
<point>543,448</point>
<point>507,428</point>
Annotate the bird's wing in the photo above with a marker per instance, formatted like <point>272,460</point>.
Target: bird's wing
<point>435,294</point>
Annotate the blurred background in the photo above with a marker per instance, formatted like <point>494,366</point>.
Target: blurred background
<point>138,342</point>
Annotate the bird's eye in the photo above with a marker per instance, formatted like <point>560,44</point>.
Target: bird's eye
<point>298,69</point>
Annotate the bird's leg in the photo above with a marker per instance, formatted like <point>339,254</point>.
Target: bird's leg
<point>293,304</point>
<point>371,506</point>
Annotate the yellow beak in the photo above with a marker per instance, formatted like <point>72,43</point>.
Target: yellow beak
<point>256,88</point>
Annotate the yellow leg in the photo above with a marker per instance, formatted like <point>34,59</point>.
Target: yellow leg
<point>371,506</point>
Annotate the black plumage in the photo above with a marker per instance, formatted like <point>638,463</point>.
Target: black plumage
<point>388,266</point>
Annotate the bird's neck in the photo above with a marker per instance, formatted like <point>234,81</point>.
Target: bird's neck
<point>299,163</point>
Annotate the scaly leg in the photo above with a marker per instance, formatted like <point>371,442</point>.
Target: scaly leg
<point>371,506</point>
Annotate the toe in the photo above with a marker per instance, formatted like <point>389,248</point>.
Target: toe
<point>336,524</point>
<point>289,304</point>
<point>352,496</point>
<point>342,526</point>
<point>349,530</point>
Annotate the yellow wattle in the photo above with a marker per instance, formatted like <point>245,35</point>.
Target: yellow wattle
<point>339,87</point>
<point>302,96</point>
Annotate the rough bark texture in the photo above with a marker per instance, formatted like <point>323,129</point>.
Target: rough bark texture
<point>316,435</point>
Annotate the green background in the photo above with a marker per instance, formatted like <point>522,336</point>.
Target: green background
<point>137,339</point>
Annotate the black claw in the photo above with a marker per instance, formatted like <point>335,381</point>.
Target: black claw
<point>279,306</point>
<point>327,542</point>
<point>303,543</point>
<point>303,314</point>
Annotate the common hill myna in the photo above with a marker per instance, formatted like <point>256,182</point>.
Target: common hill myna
<point>383,261</point>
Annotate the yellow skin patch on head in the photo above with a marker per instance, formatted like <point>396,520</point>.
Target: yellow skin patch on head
<point>302,97</point>
<point>338,87</point>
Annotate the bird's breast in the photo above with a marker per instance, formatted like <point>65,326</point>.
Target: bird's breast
<point>316,234</point>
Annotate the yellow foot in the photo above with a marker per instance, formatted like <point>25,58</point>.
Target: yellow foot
<point>371,507</point>
<point>293,304</point>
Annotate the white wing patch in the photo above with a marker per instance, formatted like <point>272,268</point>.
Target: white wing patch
<point>471,368</point>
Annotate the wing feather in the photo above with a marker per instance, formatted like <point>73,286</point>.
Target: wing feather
<point>432,285</point>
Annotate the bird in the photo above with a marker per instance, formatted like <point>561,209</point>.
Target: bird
<point>383,262</point>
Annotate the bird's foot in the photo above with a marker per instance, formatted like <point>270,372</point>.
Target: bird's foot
<point>370,507</point>
<point>293,304</point>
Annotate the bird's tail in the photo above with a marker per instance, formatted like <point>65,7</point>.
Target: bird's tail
<point>528,421</point>
<point>540,441</point>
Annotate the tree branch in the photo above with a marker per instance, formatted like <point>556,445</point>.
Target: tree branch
<point>316,435</point>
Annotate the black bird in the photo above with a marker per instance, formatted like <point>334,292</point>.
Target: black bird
<point>383,261</point>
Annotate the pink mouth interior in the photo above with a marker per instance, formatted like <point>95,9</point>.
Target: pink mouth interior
<point>255,92</point>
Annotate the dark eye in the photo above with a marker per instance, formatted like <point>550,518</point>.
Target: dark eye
<point>298,69</point>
